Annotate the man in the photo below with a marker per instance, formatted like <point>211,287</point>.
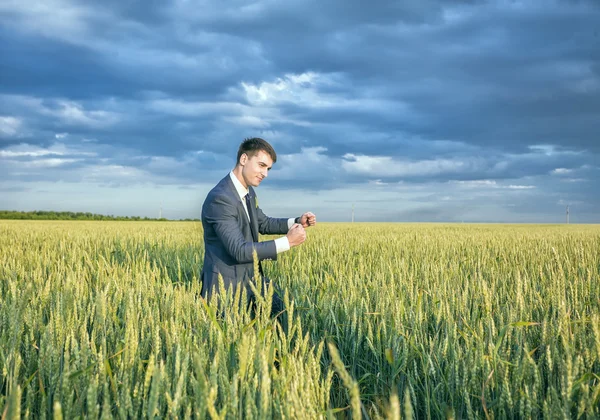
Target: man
<point>232,220</point>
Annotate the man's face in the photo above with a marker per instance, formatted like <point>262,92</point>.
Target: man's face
<point>255,168</point>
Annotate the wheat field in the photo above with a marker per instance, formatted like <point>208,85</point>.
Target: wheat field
<point>105,319</point>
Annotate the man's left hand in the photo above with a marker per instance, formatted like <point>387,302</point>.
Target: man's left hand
<point>308,219</point>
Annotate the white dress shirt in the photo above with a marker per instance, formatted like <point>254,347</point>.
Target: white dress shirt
<point>281,244</point>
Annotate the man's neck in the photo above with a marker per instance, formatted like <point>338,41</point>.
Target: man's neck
<point>237,171</point>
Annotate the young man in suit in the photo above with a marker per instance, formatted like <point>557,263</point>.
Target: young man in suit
<point>232,220</point>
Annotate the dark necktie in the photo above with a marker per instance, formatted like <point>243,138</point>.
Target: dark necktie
<point>251,216</point>
<point>253,228</point>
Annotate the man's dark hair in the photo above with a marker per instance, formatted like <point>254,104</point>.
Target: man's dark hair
<point>254,145</point>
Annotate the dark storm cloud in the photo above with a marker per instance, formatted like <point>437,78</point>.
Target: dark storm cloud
<point>473,86</point>
<point>417,92</point>
<point>44,67</point>
<point>514,77</point>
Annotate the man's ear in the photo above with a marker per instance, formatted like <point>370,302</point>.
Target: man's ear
<point>243,159</point>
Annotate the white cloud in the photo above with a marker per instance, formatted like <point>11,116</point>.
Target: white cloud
<point>63,110</point>
<point>291,88</point>
<point>36,164</point>
<point>57,149</point>
<point>552,150</point>
<point>37,153</point>
<point>309,164</point>
<point>113,173</point>
<point>386,166</point>
<point>48,163</point>
<point>57,19</point>
<point>490,183</point>
<point>477,183</point>
<point>9,126</point>
<point>561,171</point>
<point>228,112</point>
<point>305,90</point>
<point>72,112</point>
<point>546,149</point>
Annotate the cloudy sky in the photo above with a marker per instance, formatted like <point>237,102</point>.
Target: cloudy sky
<point>413,110</point>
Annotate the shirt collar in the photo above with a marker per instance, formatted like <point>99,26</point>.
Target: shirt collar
<point>238,186</point>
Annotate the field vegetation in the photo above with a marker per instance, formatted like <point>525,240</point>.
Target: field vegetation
<point>105,319</point>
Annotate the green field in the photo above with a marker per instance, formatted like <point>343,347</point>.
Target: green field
<point>105,319</point>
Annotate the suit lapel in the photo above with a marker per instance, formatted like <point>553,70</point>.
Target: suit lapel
<point>251,212</point>
<point>234,194</point>
<point>251,208</point>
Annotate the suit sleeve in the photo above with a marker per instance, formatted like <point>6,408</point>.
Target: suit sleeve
<point>222,214</point>
<point>270,225</point>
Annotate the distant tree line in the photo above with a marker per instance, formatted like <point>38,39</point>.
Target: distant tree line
<point>70,215</point>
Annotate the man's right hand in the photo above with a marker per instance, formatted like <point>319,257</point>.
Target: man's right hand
<point>296,235</point>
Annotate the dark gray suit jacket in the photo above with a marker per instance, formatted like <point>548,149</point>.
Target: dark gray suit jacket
<point>228,240</point>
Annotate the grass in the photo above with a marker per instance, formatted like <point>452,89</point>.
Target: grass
<point>105,319</point>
